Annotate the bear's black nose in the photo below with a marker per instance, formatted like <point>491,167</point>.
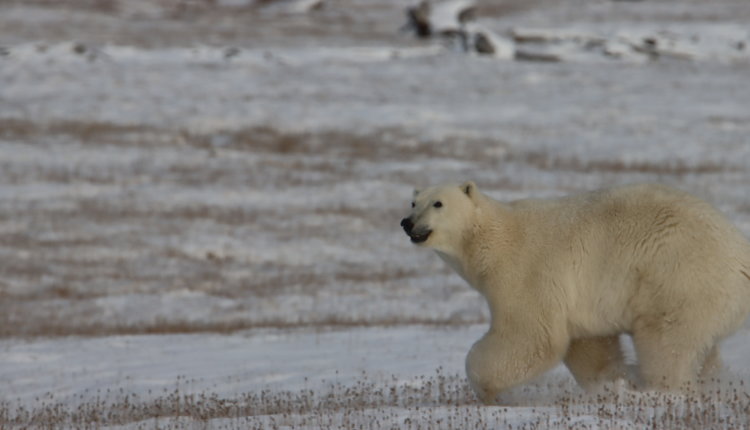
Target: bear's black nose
<point>407,225</point>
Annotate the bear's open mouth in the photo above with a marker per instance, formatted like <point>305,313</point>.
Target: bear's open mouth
<point>419,237</point>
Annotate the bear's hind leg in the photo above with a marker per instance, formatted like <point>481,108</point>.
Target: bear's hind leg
<point>668,359</point>
<point>595,360</point>
<point>711,364</point>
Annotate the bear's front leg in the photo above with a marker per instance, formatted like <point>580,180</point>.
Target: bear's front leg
<point>498,362</point>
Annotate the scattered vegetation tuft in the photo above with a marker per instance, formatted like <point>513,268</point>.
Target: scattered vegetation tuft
<point>436,401</point>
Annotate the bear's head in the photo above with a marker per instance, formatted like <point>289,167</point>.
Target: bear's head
<point>440,216</point>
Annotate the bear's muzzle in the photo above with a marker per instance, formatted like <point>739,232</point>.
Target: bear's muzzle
<point>407,225</point>
<point>418,235</point>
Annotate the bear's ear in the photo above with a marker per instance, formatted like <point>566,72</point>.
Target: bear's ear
<point>416,192</point>
<point>470,189</point>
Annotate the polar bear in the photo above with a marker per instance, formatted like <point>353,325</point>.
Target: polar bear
<point>565,277</point>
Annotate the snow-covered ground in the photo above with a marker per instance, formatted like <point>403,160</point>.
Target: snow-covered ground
<point>203,198</point>
<point>316,377</point>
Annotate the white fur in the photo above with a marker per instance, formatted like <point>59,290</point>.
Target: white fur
<point>565,277</point>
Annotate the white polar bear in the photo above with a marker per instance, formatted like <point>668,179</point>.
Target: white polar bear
<point>564,277</point>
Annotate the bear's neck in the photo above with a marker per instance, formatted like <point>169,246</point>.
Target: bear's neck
<point>488,248</point>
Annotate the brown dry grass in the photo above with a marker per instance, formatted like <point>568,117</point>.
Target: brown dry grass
<point>86,131</point>
<point>190,22</point>
<point>13,325</point>
<point>263,409</point>
<point>547,161</point>
<point>489,8</point>
<point>437,401</point>
<point>382,146</point>
<point>378,146</point>
<point>103,6</point>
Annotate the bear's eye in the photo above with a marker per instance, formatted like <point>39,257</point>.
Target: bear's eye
<point>438,204</point>
<point>412,204</point>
